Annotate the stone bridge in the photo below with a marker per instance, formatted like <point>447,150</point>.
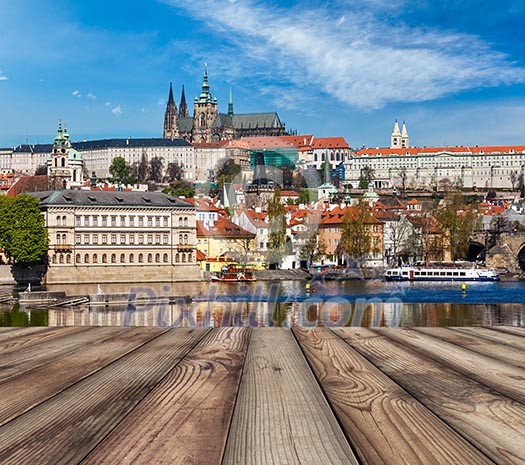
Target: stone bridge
<point>509,251</point>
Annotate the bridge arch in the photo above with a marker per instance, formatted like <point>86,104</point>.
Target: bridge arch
<point>521,257</point>
<point>476,251</point>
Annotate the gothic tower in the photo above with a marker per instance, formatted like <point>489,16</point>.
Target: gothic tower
<point>171,124</point>
<point>204,112</point>
<point>183,107</point>
<point>395,138</point>
<point>404,136</point>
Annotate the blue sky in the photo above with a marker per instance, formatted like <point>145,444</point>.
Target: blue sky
<point>454,70</point>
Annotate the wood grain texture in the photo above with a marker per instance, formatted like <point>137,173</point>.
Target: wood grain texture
<point>505,339</point>
<point>185,419</point>
<point>281,415</point>
<point>32,357</point>
<point>385,424</point>
<point>20,393</point>
<point>492,422</point>
<point>33,338</point>
<point>8,332</point>
<point>506,354</point>
<point>502,377</point>
<point>65,428</point>
<point>516,330</point>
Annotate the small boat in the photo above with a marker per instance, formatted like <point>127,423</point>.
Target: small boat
<point>440,273</point>
<point>234,274</point>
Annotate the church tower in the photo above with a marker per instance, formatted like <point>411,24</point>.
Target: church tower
<point>395,138</point>
<point>230,104</point>
<point>171,124</point>
<point>404,136</point>
<point>65,165</point>
<point>204,112</point>
<point>183,107</point>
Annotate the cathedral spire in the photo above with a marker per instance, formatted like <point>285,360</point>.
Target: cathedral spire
<point>183,107</point>
<point>170,98</point>
<point>404,136</point>
<point>205,94</point>
<point>230,104</point>
<point>171,125</point>
<point>395,138</point>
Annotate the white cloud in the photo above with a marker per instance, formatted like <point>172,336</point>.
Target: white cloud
<point>161,101</point>
<point>90,96</point>
<point>117,110</point>
<point>108,104</point>
<point>77,93</point>
<point>3,77</point>
<point>365,62</point>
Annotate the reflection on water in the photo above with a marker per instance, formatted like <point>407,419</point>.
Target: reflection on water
<point>264,314</point>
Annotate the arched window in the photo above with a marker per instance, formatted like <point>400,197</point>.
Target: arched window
<point>122,258</point>
<point>202,120</point>
<point>185,221</point>
<point>59,221</point>
<point>180,238</point>
<point>150,258</point>
<point>95,258</point>
<point>141,258</point>
<point>315,156</point>
<point>185,238</point>
<point>183,258</point>
<point>63,239</point>
<point>189,257</point>
<point>86,258</point>
<point>54,259</point>
<point>64,220</point>
<point>177,258</point>
<point>56,162</point>
<point>157,258</point>
<point>61,258</point>
<point>68,258</point>
<point>62,162</point>
<point>104,258</point>
<point>180,222</point>
<point>165,258</point>
<point>77,258</point>
<point>58,239</point>
<point>113,258</point>
<point>131,258</point>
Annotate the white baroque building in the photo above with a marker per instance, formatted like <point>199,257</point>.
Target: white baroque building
<point>492,167</point>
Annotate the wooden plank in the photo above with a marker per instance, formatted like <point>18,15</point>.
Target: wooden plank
<point>186,418</point>
<point>506,354</point>
<point>281,415</point>
<point>65,428</point>
<point>8,332</point>
<point>20,393</point>
<point>500,376</point>
<point>516,330</point>
<point>385,424</point>
<point>493,423</point>
<point>29,339</point>
<point>505,339</point>
<point>32,357</point>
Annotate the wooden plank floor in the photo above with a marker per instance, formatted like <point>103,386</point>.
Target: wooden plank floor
<point>242,396</point>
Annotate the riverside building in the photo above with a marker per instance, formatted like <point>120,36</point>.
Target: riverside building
<point>120,237</point>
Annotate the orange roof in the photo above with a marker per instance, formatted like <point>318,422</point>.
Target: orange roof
<point>330,143</point>
<point>385,151</point>
<point>258,219</point>
<point>337,216</point>
<point>223,228</point>
<point>264,142</point>
<point>289,193</point>
<point>200,255</point>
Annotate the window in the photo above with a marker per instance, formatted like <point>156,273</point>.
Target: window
<point>141,258</point>
<point>95,221</point>
<point>157,221</point>
<point>86,258</point>
<point>104,220</point>
<point>177,258</point>
<point>141,221</point>
<point>166,221</point>
<point>122,238</point>
<point>131,220</point>
<point>180,222</point>
<point>61,258</point>
<point>122,220</point>
<point>165,238</point>
<point>132,238</point>
<point>95,239</point>
<point>150,221</point>
<point>59,221</point>
<point>77,220</point>
<point>180,238</point>
<point>68,258</point>
<point>157,238</point>
<point>141,238</point>
<point>150,238</point>
<point>131,258</point>
<point>157,258</point>
<point>63,239</point>
<point>113,258</point>
<point>113,238</point>
<point>54,260</point>
<point>77,238</point>
<point>183,258</point>
<point>165,258</point>
<point>86,238</point>
<point>113,220</point>
<point>95,258</point>
<point>86,220</point>
<point>122,258</point>
<point>63,220</point>
<point>77,258</point>
<point>104,258</point>
<point>185,221</point>
<point>150,258</point>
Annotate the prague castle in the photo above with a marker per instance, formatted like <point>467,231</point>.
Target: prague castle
<point>208,125</point>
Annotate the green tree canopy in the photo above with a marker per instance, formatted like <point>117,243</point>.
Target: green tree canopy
<point>355,239</point>
<point>23,234</point>
<point>156,167</point>
<point>140,168</point>
<point>120,171</point>
<point>276,229</point>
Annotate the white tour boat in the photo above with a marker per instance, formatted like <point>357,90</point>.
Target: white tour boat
<point>440,273</point>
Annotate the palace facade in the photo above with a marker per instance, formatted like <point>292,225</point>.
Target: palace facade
<point>120,237</point>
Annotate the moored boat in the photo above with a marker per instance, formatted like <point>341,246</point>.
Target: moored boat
<point>234,274</point>
<point>440,273</point>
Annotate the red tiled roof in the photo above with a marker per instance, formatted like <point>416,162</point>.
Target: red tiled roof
<point>330,143</point>
<point>337,216</point>
<point>385,151</point>
<point>224,228</point>
<point>28,184</point>
<point>200,256</point>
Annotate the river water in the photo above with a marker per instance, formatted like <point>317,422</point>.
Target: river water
<point>330,303</point>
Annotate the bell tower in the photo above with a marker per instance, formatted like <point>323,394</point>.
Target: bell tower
<point>171,123</point>
<point>204,112</point>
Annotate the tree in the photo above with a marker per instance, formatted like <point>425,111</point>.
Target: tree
<point>120,171</point>
<point>311,248</point>
<point>513,178</point>
<point>155,169</point>
<point>276,230</point>
<point>396,236</point>
<point>355,242</point>
<point>226,171</point>
<point>403,179</point>
<point>456,221</point>
<point>366,177</point>
<point>41,170</point>
<point>140,169</point>
<point>175,172</point>
<point>179,189</point>
<point>23,234</point>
